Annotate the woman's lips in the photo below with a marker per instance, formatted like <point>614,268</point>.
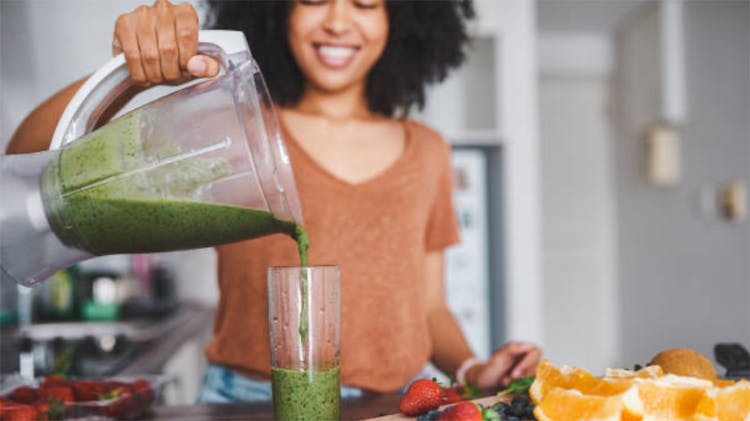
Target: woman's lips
<point>335,56</point>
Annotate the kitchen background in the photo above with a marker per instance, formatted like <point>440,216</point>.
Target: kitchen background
<point>602,157</point>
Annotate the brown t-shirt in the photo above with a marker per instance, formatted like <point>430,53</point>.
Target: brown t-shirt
<point>378,233</point>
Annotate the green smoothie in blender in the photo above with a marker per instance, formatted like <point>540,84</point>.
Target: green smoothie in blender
<point>106,194</point>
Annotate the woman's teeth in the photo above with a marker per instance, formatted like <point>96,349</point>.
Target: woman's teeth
<point>336,55</point>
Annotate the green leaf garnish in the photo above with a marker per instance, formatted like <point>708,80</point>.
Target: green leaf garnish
<point>55,409</point>
<point>470,391</point>
<point>489,414</point>
<point>521,385</point>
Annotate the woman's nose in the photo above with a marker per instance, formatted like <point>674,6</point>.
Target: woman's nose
<point>338,18</point>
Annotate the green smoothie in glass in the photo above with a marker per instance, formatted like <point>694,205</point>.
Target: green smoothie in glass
<point>306,395</point>
<point>304,325</point>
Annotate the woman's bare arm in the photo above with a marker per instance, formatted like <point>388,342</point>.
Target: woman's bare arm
<point>159,42</point>
<point>450,349</point>
<point>35,132</point>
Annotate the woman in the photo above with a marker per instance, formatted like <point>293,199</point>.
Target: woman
<point>375,189</point>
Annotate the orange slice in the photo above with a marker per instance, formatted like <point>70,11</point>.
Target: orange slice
<point>648,372</point>
<point>724,382</point>
<point>671,397</point>
<point>730,403</point>
<point>561,404</point>
<point>548,377</point>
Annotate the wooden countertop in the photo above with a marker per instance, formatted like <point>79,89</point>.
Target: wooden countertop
<point>380,407</point>
<point>351,409</point>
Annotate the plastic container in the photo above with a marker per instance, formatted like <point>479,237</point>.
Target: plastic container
<point>200,167</point>
<point>122,397</point>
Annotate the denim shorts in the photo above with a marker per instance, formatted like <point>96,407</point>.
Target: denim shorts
<point>222,385</point>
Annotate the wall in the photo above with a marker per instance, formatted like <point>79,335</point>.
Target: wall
<point>47,44</point>
<point>578,222</point>
<point>684,272</point>
<point>577,200</point>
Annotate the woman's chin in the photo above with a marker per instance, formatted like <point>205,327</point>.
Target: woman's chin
<point>337,84</point>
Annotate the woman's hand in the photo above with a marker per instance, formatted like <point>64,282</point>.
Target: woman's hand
<point>160,44</point>
<point>514,360</point>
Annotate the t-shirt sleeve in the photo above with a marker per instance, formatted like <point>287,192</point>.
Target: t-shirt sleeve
<point>442,227</point>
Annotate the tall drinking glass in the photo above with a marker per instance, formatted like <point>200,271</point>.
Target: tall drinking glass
<point>303,306</point>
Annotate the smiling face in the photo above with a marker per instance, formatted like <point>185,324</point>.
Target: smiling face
<point>336,42</point>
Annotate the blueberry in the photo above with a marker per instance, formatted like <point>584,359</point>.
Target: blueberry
<point>434,414</point>
<point>520,400</point>
<point>529,412</point>
<point>430,416</point>
<point>513,418</point>
<point>519,410</point>
<point>502,408</point>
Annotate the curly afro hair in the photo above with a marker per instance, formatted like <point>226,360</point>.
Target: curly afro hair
<point>426,39</point>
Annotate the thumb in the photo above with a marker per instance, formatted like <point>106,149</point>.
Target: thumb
<point>202,66</point>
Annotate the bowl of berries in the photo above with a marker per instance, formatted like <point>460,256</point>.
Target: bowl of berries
<point>58,398</point>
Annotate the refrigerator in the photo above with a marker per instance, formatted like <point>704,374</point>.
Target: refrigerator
<point>473,268</point>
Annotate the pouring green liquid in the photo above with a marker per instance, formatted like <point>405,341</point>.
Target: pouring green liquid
<point>303,244</point>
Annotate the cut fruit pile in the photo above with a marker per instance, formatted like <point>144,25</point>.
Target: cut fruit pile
<point>567,393</point>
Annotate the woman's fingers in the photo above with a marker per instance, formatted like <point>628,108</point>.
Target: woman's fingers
<point>513,360</point>
<point>158,41</point>
<point>126,41</point>
<point>147,42</point>
<point>186,32</point>
<point>202,66</point>
<point>498,366</point>
<point>527,365</point>
<point>167,44</point>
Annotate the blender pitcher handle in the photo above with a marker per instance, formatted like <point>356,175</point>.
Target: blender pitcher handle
<point>113,79</point>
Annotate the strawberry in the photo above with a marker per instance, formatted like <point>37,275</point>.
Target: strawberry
<point>462,411</point>
<point>122,404</point>
<point>422,396</point>
<point>24,394</point>
<point>143,392</point>
<point>41,409</point>
<point>113,386</point>
<point>85,390</point>
<point>452,394</point>
<point>63,394</point>
<point>458,393</point>
<point>19,413</point>
<point>54,380</point>
<point>53,409</point>
<point>4,401</point>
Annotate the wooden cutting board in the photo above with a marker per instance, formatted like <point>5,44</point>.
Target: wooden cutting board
<point>486,401</point>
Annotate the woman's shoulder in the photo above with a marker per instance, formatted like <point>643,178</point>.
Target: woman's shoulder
<point>425,136</point>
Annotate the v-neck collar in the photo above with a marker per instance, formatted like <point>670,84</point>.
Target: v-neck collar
<point>408,146</point>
